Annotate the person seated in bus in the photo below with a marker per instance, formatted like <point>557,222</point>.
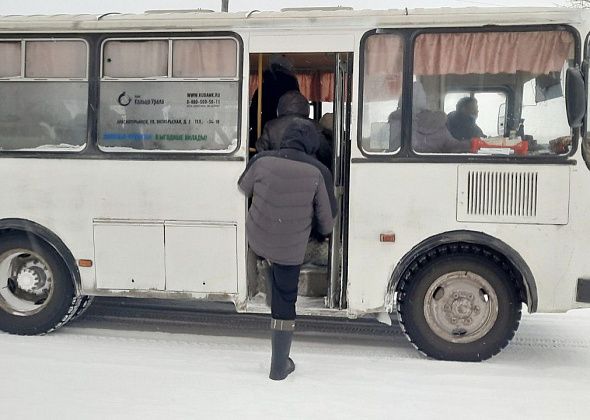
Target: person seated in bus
<point>292,106</point>
<point>291,191</point>
<point>327,125</point>
<point>461,122</point>
<point>278,79</point>
<point>429,128</point>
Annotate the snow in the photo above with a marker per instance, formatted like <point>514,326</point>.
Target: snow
<point>97,370</point>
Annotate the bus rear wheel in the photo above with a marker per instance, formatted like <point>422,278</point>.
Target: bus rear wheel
<point>37,294</point>
<point>459,307</point>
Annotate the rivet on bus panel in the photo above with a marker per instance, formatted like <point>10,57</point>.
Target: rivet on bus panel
<point>85,263</point>
<point>387,237</point>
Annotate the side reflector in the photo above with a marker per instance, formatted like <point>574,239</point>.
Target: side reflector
<point>387,237</point>
<point>85,263</point>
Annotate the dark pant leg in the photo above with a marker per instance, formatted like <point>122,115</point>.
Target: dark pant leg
<point>284,290</point>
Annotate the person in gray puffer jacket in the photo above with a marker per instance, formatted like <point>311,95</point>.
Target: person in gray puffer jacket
<point>429,128</point>
<point>292,106</point>
<point>291,193</point>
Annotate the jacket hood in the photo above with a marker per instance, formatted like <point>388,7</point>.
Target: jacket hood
<point>293,103</point>
<point>301,135</point>
<point>428,122</point>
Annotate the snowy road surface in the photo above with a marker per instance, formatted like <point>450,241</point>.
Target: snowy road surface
<point>112,366</point>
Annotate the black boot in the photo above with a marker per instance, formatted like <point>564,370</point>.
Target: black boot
<point>282,334</point>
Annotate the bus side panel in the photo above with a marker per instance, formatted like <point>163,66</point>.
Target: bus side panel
<point>417,201</point>
<point>71,196</point>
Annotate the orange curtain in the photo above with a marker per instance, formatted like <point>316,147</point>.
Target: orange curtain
<point>316,87</point>
<point>383,67</point>
<point>492,52</point>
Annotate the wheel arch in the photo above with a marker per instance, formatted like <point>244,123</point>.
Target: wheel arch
<point>521,268</point>
<point>28,227</point>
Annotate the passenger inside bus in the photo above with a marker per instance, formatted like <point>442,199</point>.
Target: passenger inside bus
<point>327,125</point>
<point>292,106</point>
<point>462,122</point>
<point>429,128</point>
<point>277,79</point>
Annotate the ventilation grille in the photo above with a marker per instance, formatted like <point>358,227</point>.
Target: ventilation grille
<point>502,193</point>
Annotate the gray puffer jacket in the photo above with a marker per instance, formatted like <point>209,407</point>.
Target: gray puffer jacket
<point>293,106</point>
<point>291,193</point>
<point>429,133</point>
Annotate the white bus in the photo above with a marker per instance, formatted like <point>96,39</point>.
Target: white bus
<point>122,138</point>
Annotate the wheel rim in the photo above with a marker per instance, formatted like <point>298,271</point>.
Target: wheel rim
<point>26,282</point>
<point>461,307</point>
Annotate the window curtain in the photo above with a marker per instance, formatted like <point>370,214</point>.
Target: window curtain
<point>492,52</point>
<point>316,87</point>
<point>55,59</point>
<point>9,59</point>
<point>383,67</point>
<point>136,59</point>
<point>204,58</point>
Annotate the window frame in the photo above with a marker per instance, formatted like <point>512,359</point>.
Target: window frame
<point>405,152</point>
<point>23,52</point>
<point>169,77</point>
<point>191,154</point>
<point>404,36</point>
<point>51,149</point>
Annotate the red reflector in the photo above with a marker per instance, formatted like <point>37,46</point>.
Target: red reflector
<point>85,263</point>
<point>387,237</point>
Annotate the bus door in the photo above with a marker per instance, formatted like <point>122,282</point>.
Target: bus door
<point>341,144</point>
<point>323,77</point>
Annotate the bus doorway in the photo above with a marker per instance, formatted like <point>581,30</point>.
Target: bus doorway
<point>324,79</point>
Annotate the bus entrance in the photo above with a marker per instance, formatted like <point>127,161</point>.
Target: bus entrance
<point>324,79</point>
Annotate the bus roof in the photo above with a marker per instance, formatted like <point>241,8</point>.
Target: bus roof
<point>313,17</point>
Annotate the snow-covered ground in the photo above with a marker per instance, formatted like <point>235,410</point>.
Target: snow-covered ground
<point>97,369</point>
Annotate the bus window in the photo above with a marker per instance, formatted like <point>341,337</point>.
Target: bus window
<point>382,87</point>
<point>10,66</point>
<point>152,101</point>
<point>205,58</point>
<point>135,59</point>
<point>45,101</point>
<point>476,64</point>
<point>48,59</point>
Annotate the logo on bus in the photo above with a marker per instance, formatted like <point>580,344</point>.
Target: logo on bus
<point>124,99</point>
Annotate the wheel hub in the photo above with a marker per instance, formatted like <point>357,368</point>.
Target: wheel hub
<point>28,282</point>
<point>460,307</point>
<point>31,280</point>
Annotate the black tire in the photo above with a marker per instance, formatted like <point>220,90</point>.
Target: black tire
<point>57,308</point>
<point>413,291</point>
<point>85,302</point>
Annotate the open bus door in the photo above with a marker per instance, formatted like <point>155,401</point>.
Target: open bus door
<point>322,285</point>
<point>342,105</point>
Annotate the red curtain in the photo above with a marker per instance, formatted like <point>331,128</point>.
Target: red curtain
<point>316,87</point>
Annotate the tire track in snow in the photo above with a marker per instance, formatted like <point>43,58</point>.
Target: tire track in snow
<point>542,331</point>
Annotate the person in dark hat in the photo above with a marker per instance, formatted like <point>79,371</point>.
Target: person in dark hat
<point>292,106</point>
<point>461,122</point>
<point>277,79</point>
<point>291,192</point>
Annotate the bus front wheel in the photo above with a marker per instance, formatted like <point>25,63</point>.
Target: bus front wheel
<point>37,295</point>
<point>459,307</point>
